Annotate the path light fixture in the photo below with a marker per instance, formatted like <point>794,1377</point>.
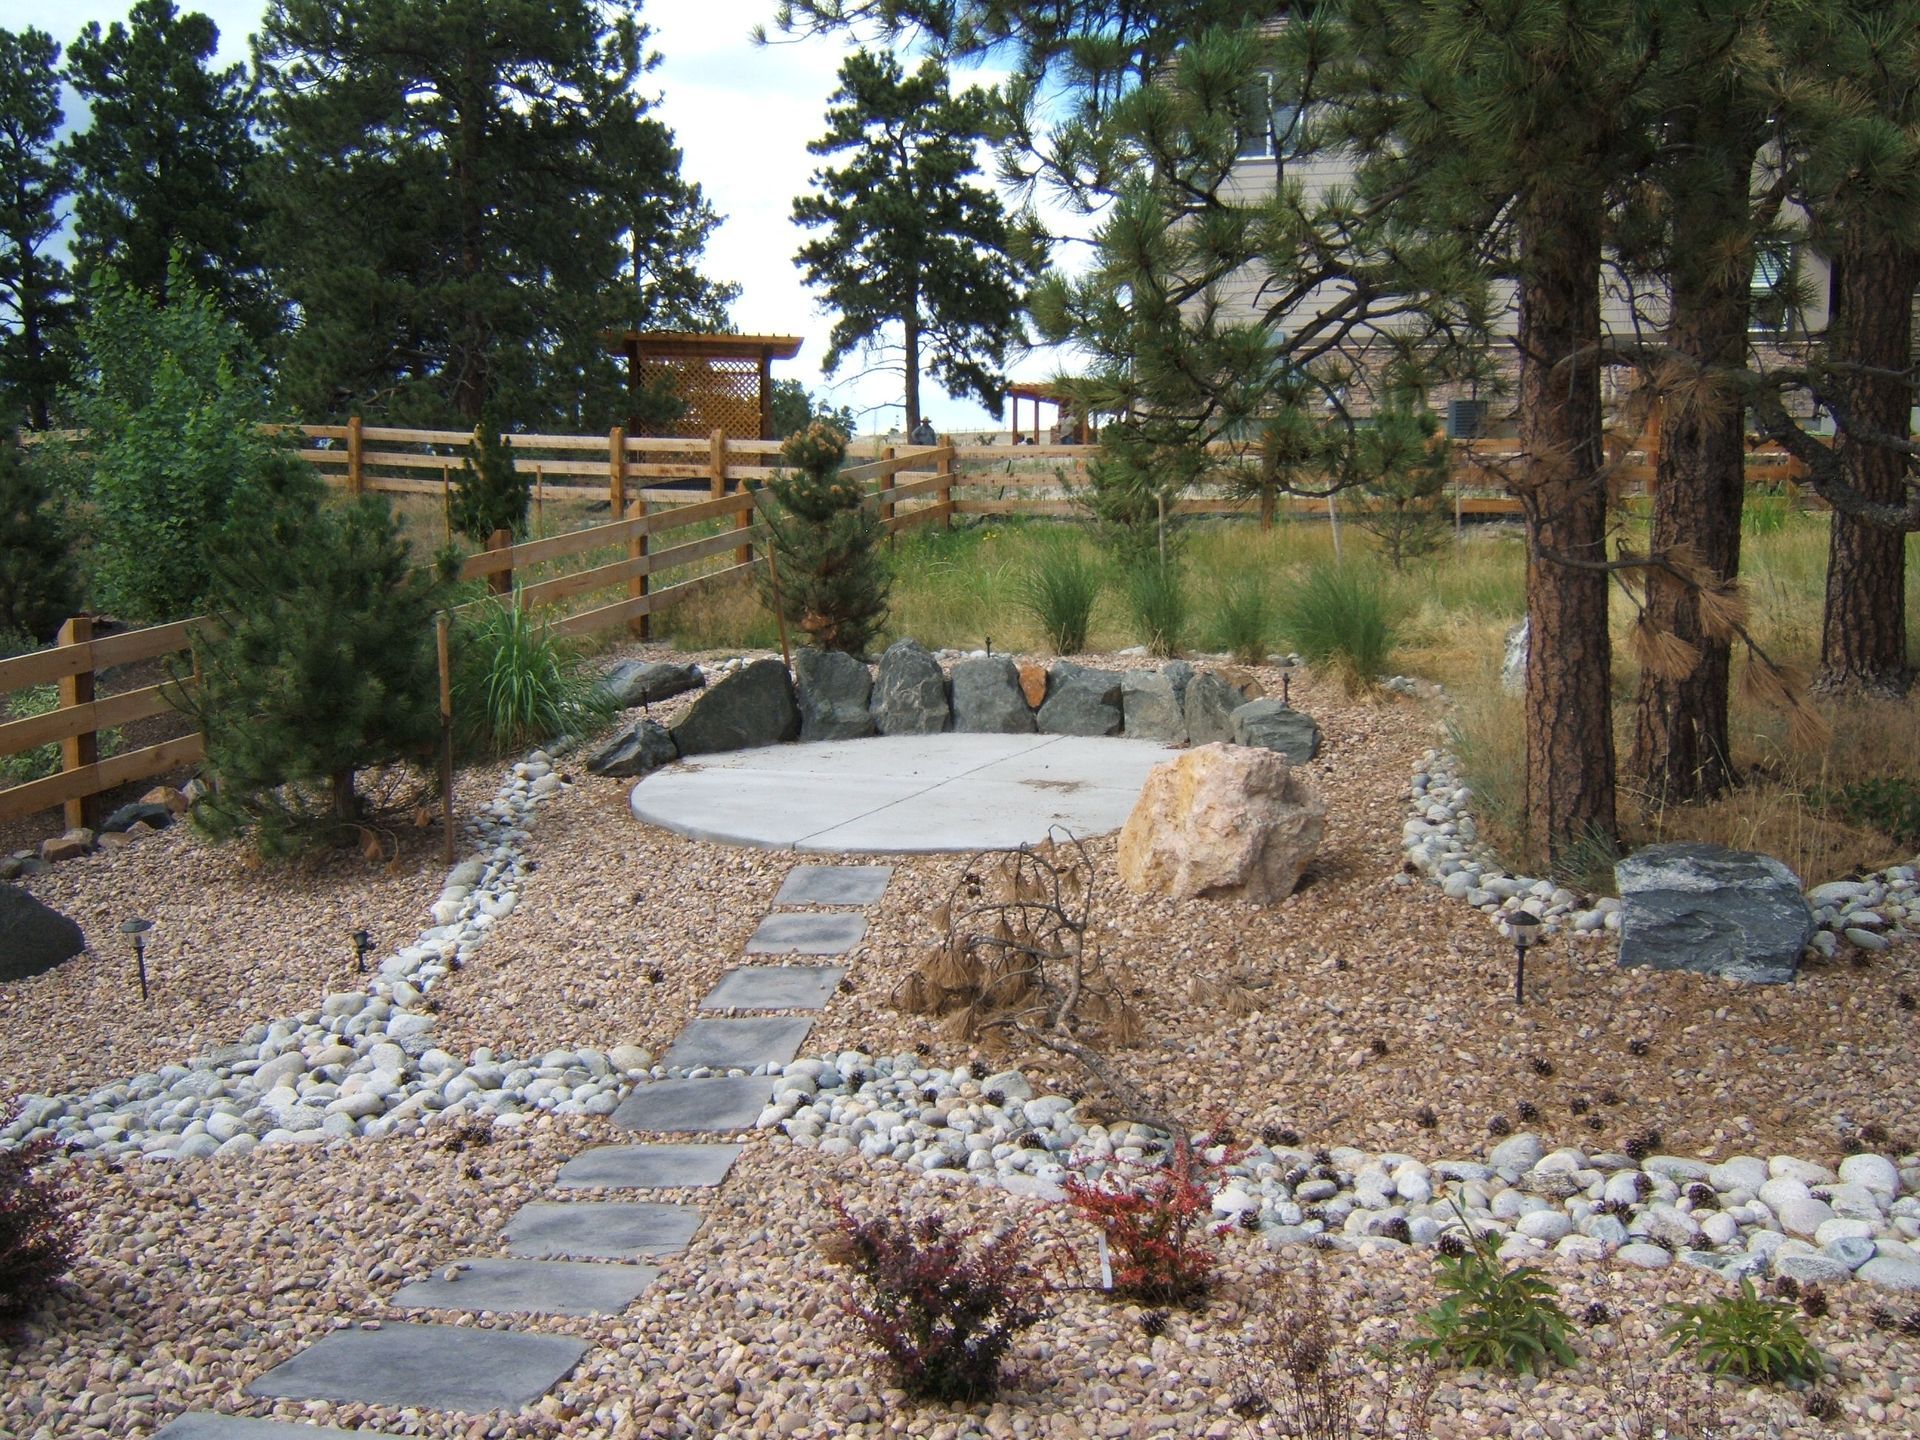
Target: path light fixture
<point>135,929</point>
<point>1525,927</point>
<point>362,946</point>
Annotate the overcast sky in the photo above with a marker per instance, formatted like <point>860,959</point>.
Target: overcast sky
<point>743,114</point>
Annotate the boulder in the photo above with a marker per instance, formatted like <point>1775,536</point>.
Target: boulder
<point>33,939</point>
<point>1151,703</point>
<point>1222,820</point>
<point>1209,706</point>
<point>909,692</point>
<point>168,796</point>
<point>127,816</point>
<point>754,706</point>
<point>1033,683</point>
<point>1513,664</point>
<point>835,690</point>
<point>646,682</point>
<point>1243,680</point>
<point>69,846</point>
<point>1272,725</point>
<point>1081,702</point>
<point>638,750</point>
<point>1712,910</point>
<point>987,698</point>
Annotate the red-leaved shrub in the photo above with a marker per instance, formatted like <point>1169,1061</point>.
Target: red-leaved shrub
<point>1162,1250</point>
<point>37,1239</point>
<point>942,1305</point>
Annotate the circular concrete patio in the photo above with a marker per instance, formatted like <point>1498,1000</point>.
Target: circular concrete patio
<point>902,794</point>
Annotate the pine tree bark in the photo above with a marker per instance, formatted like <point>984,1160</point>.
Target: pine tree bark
<point>1570,757</point>
<point>911,325</point>
<point>1863,637</point>
<point>344,803</point>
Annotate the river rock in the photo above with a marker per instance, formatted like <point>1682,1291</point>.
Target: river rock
<point>836,692</point>
<point>1222,820</point>
<point>640,749</point>
<point>33,938</point>
<point>909,693</point>
<point>1081,702</point>
<point>1712,910</point>
<point>1152,702</point>
<point>754,706</point>
<point>1274,725</point>
<point>647,682</point>
<point>1209,705</point>
<point>987,698</point>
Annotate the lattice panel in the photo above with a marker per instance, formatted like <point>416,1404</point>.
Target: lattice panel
<point>720,395</point>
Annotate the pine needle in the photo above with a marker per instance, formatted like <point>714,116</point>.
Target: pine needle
<point>1723,611</point>
<point>1661,653</point>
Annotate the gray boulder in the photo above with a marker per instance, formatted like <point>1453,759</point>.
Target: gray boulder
<point>638,750</point>
<point>1712,910</point>
<point>647,682</point>
<point>1209,706</point>
<point>987,699</point>
<point>754,706</point>
<point>1151,701</point>
<point>835,690</point>
<point>1271,725</point>
<point>1081,702</point>
<point>909,692</point>
<point>33,939</point>
<point>139,812</point>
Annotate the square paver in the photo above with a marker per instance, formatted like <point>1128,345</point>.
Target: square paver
<point>207,1426</point>
<point>432,1367</point>
<point>648,1167</point>
<point>807,933</point>
<point>600,1229</point>
<point>834,885</point>
<point>718,1104</point>
<point>531,1287</point>
<point>740,1044</point>
<point>775,987</point>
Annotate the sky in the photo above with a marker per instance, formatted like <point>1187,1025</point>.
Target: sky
<point>743,115</point>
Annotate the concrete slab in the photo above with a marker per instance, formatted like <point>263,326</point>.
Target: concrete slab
<point>834,885</point>
<point>530,1287</point>
<point>742,1044</point>
<point>648,1167</point>
<point>431,1367</point>
<point>902,794</point>
<point>711,1106</point>
<point>207,1426</point>
<point>599,1229</point>
<point>775,987</point>
<point>808,932</point>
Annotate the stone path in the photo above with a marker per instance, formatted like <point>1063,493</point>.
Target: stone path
<point>578,1257</point>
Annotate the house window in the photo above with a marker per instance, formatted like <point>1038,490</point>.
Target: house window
<point>1269,128</point>
<point>1771,289</point>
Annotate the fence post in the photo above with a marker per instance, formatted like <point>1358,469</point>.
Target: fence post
<point>356,477</point>
<point>945,466</point>
<point>617,471</point>
<point>640,585</point>
<point>882,487</point>
<point>500,582</point>
<point>717,463</point>
<point>78,751</point>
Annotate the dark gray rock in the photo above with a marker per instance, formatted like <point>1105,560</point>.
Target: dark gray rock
<point>835,692</point>
<point>1081,702</point>
<point>909,693</point>
<point>987,698</point>
<point>33,939</point>
<point>640,749</point>
<point>128,816</point>
<point>1150,700</point>
<point>1270,725</point>
<point>1712,910</point>
<point>751,707</point>
<point>647,682</point>
<point>1210,703</point>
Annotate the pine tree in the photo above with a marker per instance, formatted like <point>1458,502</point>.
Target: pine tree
<point>165,166</point>
<point>36,300</point>
<point>794,409</point>
<point>1406,473</point>
<point>322,663</point>
<point>909,240</point>
<point>39,583</point>
<point>491,494</point>
<point>828,577</point>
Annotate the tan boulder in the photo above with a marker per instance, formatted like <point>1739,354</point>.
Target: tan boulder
<point>1243,680</point>
<point>168,796</point>
<point>1033,683</point>
<point>1222,820</point>
<point>70,846</point>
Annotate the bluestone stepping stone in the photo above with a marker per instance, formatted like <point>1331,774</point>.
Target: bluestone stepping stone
<point>530,1287</point>
<point>739,1044</point>
<point>774,987</point>
<point>431,1367</point>
<point>834,885</point>
<point>807,933</point>
<point>648,1167</point>
<point>208,1426</point>
<point>722,1103</point>
<point>600,1229</point>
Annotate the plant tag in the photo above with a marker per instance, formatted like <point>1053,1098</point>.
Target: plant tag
<point>1106,1264</point>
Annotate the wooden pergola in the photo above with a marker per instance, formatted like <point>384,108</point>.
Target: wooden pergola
<point>1076,429</point>
<point>726,380</point>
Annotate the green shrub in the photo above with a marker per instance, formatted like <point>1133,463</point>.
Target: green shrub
<point>42,760</point>
<point>1157,597</point>
<point>490,493</point>
<point>1889,804</point>
<point>831,580</point>
<point>517,684</point>
<point>1745,1335</point>
<point>39,584</point>
<point>1338,617</point>
<point>1243,619</point>
<point>1494,1317</point>
<point>1765,514</point>
<point>1059,591</point>
<point>1406,479</point>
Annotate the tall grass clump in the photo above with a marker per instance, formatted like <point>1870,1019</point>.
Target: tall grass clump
<point>1059,591</point>
<point>517,683</point>
<point>1243,619</point>
<point>1157,598</point>
<point>1338,618</point>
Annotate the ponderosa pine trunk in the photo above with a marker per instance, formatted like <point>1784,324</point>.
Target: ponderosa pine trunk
<point>911,327</point>
<point>1570,760</point>
<point>1863,637</point>
<point>1681,751</point>
<point>343,801</point>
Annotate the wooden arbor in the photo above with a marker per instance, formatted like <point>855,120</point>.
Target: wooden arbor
<point>725,380</point>
<point>1074,429</point>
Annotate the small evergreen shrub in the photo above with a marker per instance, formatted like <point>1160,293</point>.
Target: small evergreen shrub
<point>517,684</point>
<point>1162,1250</point>
<point>1338,617</point>
<point>1243,620</point>
<point>831,581</point>
<point>1890,804</point>
<point>39,584</point>
<point>1406,475</point>
<point>943,1306</point>
<point>1746,1335</point>
<point>38,1239</point>
<point>490,493</point>
<point>1157,597</point>
<point>1060,592</point>
<point>1494,1317</point>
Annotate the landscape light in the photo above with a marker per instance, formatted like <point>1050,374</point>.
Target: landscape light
<point>1525,926</point>
<point>362,945</point>
<point>135,929</point>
